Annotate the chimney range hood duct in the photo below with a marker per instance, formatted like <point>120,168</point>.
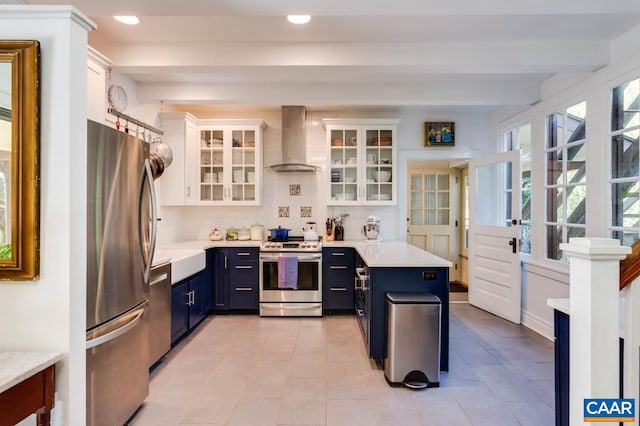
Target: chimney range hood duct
<point>293,141</point>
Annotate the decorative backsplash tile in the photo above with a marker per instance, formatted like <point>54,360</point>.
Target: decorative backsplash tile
<point>305,211</point>
<point>294,189</point>
<point>283,211</point>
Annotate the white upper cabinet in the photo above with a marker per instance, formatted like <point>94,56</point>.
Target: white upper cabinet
<point>97,70</point>
<point>216,162</point>
<point>361,162</point>
<point>229,162</point>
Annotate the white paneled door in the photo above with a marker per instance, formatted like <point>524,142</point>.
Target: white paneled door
<point>432,209</point>
<point>494,231</point>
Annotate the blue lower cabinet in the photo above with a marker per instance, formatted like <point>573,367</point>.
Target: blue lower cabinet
<point>179,310</point>
<point>220,286</point>
<point>236,278</point>
<point>190,302</point>
<point>200,286</point>
<point>338,274</point>
<point>561,353</point>
<point>561,325</point>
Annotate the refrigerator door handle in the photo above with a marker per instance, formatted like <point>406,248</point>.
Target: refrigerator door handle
<point>117,332</point>
<point>153,220</point>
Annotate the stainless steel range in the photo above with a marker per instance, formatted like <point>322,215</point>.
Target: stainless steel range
<point>291,278</point>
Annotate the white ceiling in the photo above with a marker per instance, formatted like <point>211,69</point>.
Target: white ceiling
<point>358,52</point>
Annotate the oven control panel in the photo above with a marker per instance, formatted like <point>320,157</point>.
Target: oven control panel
<point>291,246</point>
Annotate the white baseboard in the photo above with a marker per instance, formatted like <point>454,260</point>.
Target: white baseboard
<point>537,324</point>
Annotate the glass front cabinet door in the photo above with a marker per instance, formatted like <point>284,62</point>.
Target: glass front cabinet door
<point>361,162</point>
<point>230,162</point>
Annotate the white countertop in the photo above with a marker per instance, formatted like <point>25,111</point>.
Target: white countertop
<point>18,366</point>
<point>205,244</point>
<point>392,254</point>
<point>384,254</point>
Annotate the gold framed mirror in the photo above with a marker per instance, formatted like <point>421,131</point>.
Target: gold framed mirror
<point>19,159</point>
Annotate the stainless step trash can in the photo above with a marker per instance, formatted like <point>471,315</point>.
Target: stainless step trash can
<point>413,340</point>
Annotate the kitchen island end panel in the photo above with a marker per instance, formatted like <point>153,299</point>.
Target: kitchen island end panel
<point>426,279</point>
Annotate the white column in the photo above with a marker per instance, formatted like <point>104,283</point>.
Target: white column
<point>594,304</point>
<point>631,295</point>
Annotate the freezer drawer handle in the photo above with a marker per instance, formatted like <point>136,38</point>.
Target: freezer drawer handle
<point>158,278</point>
<point>115,333</point>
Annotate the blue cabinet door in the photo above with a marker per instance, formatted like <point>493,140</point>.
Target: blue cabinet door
<point>220,285</point>
<point>561,352</point>
<point>243,278</point>
<point>338,275</point>
<point>200,293</point>
<point>179,310</point>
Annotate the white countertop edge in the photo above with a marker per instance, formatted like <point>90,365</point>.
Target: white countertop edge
<point>561,305</point>
<point>564,306</point>
<point>384,254</point>
<point>18,366</point>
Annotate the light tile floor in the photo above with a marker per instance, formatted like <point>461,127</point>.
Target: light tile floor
<point>247,370</point>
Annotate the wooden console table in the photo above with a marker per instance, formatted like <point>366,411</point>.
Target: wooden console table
<point>27,383</point>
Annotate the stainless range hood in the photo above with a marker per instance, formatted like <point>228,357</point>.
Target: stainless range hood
<point>293,141</point>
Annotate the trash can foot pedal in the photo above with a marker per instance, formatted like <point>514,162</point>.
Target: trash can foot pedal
<point>417,380</point>
<point>416,385</point>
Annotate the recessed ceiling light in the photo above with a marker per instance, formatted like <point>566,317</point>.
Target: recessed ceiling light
<point>299,19</point>
<point>129,20</point>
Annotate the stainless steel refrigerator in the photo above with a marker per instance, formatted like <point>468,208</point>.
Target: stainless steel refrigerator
<point>120,244</point>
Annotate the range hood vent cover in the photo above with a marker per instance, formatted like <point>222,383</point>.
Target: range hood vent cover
<point>293,141</point>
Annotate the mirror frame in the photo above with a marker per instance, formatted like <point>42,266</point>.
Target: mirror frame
<point>24,263</point>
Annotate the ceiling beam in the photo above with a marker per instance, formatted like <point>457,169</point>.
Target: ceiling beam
<point>451,93</point>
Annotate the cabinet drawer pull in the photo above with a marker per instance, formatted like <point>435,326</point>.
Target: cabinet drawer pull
<point>337,289</point>
<point>244,267</point>
<point>337,267</point>
<point>337,254</point>
<point>244,289</point>
<point>244,254</point>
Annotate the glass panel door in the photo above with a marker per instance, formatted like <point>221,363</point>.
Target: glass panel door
<point>211,165</point>
<point>243,165</point>
<point>344,165</point>
<point>379,167</point>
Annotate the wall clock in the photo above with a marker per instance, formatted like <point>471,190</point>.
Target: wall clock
<point>117,97</point>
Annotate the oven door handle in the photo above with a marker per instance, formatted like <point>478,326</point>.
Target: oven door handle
<point>272,258</point>
<point>296,306</point>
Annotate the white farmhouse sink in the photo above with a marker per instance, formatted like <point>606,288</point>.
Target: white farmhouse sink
<point>184,263</point>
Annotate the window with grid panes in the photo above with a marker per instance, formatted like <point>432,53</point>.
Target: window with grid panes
<point>625,173</point>
<point>566,182</point>
<point>430,199</point>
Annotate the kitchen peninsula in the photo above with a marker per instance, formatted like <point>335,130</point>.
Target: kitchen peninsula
<point>389,265</point>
